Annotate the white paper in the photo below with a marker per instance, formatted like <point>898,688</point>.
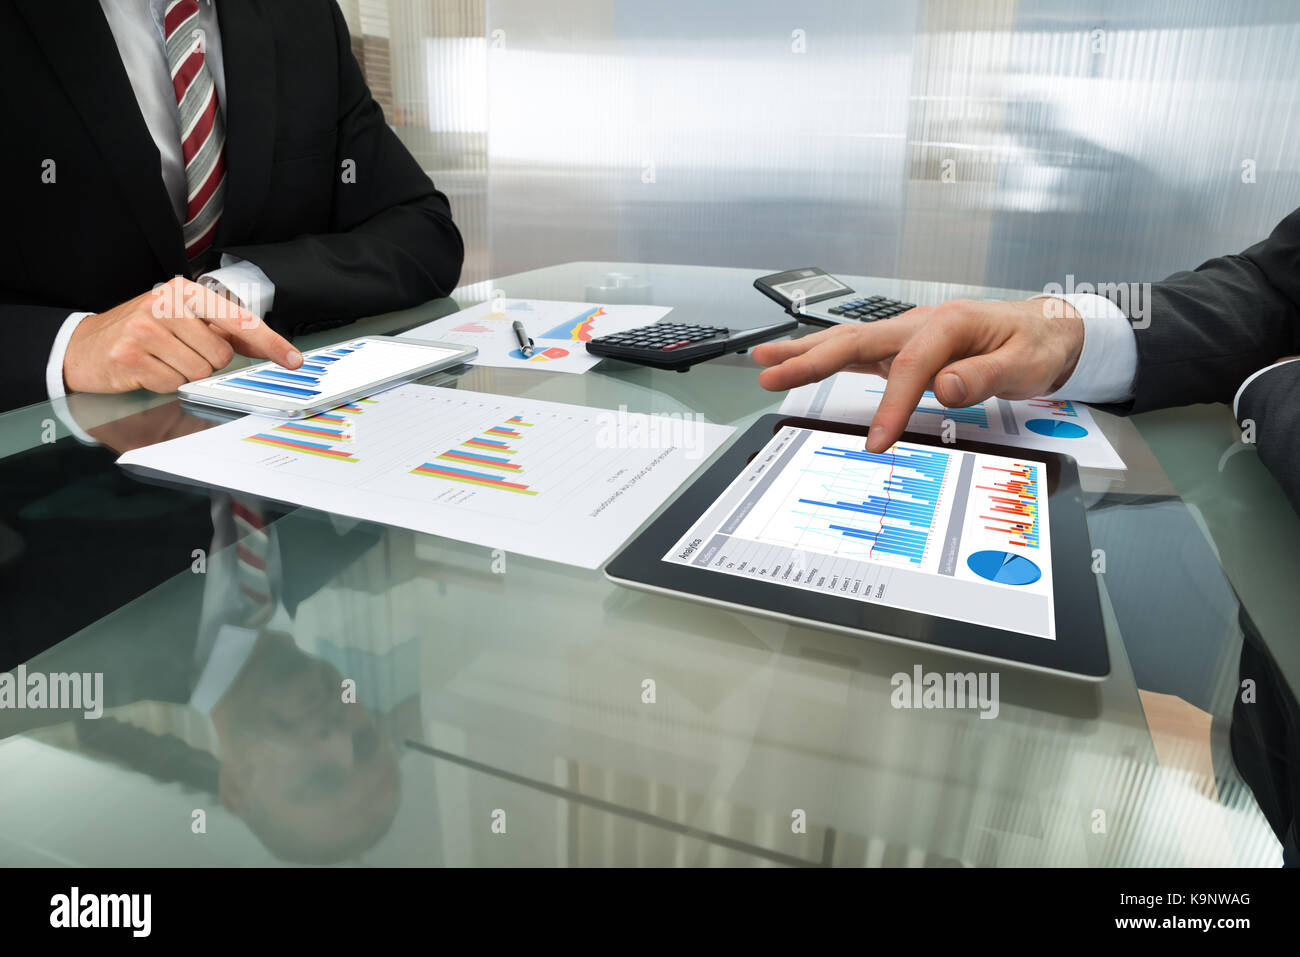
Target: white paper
<point>561,482</point>
<point>559,330</point>
<point>1045,424</point>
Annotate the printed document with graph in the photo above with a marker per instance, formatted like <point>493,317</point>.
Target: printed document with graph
<point>1052,425</point>
<point>560,331</point>
<point>960,535</point>
<point>561,482</point>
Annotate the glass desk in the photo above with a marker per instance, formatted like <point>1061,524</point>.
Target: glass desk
<point>500,716</point>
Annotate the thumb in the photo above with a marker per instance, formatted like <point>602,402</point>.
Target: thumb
<point>971,380</point>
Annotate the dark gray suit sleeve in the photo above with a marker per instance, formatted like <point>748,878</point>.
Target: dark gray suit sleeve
<point>1272,402</point>
<point>1205,331</point>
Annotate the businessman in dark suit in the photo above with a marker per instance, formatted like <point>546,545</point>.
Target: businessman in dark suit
<point>1227,331</point>
<point>232,144</point>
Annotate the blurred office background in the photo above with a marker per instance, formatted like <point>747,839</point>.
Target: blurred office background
<point>1002,142</point>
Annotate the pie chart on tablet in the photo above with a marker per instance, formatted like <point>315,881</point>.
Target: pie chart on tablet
<point>1005,568</point>
<point>1056,430</point>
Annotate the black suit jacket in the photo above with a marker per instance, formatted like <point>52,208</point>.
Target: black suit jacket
<point>1211,328</point>
<point>103,230</point>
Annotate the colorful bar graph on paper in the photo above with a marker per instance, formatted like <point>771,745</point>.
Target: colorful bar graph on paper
<point>902,512</point>
<point>975,415</point>
<point>502,430</point>
<point>469,477</point>
<point>519,420</point>
<point>350,407</point>
<point>301,445</point>
<point>1061,407</point>
<point>1013,500</point>
<point>577,329</point>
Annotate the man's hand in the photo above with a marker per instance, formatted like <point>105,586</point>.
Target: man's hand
<point>158,424</point>
<point>176,333</point>
<point>963,351</point>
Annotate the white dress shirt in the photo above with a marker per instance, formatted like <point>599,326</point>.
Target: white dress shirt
<point>1107,366</point>
<point>138,30</point>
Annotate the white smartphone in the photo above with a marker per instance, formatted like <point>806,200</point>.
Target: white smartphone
<point>329,377</point>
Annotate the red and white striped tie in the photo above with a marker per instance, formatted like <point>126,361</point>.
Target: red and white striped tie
<point>252,548</point>
<point>203,135</point>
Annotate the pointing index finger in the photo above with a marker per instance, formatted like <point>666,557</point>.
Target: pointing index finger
<point>910,375</point>
<point>247,327</point>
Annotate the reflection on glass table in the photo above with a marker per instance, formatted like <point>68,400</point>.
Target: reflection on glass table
<point>282,685</point>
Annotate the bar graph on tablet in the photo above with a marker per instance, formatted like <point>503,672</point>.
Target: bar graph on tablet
<point>936,530</point>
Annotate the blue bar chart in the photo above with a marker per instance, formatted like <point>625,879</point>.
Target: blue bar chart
<point>890,503</point>
<point>305,382</point>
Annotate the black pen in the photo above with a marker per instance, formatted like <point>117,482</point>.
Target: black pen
<point>525,344</point>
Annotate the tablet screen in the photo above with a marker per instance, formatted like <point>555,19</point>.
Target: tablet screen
<point>958,534</point>
<point>335,370</point>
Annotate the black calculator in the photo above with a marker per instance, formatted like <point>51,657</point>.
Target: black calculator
<point>679,345</point>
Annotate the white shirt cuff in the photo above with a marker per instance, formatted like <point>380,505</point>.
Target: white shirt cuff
<point>59,351</point>
<point>1107,366</point>
<point>1253,376</point>
<point>252,287</point>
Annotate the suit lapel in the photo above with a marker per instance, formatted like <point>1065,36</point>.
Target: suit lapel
<point>248,57</point>
<point>77,42</point>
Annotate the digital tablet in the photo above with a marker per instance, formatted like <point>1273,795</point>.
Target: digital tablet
<point>976,549</point>
<point>329,377</point>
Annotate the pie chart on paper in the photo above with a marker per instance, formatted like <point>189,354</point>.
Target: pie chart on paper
<point>1005,568</point>
<point>1055,429</point>
<point>541,355</point>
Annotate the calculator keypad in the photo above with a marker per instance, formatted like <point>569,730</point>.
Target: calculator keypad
<point>870,308</point>
<point>662,336</point>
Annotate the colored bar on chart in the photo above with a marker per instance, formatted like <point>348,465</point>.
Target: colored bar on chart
<point>299,445</point>
<point>313,431</point>
<point>483,461</point>
<point>274,388</point>
<point>1061,407</point>
<point>350,407</point>
<point>502,430</point>
<point>292,377</point>
<point>467,477</point>
<point>491,445</point>
<point>519,420</point>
